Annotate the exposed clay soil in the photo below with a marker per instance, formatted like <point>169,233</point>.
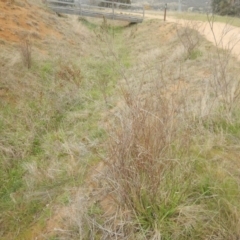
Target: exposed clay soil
<point>21,19</point>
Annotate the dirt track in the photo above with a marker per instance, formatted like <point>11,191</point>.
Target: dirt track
<point>223,35</point>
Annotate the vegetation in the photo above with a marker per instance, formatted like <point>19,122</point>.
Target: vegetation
<point>127,140</point>
<point>225,7</point>
<point>167,175</point>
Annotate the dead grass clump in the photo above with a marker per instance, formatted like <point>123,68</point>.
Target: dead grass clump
<point>70,73</point>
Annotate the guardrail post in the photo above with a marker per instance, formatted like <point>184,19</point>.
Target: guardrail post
<point>78,7</point>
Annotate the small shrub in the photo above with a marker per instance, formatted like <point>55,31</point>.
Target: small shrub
<point>190,38</point>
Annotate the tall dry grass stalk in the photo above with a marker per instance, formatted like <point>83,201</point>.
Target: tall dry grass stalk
<point>26,52</point>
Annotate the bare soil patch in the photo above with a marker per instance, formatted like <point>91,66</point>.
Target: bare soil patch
<point>19,20</point>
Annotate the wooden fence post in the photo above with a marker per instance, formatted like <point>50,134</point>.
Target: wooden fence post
<point>165,12</point>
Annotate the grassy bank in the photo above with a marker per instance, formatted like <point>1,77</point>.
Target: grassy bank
<point>172,144</point>
<point>136,138</point>
<point>51,130</point>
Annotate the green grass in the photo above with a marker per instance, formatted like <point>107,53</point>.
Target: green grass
<point>88,24</point>
<point>224,126</point>
<point>193,55</point>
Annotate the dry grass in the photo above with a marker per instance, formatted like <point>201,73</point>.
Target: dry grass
<point>47,130</point>
<point>163,177</point>
<point>121,140</point>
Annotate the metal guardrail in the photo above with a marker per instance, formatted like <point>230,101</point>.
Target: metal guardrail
<point>107,9</point>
